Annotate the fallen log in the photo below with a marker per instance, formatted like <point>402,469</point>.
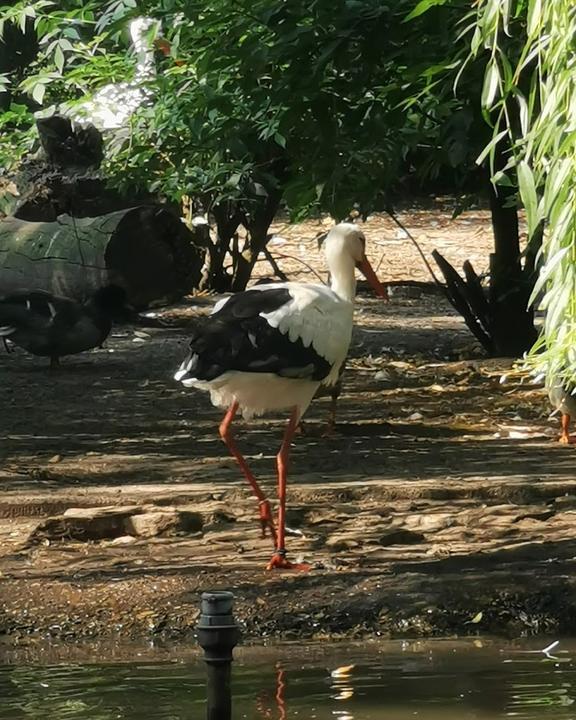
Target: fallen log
<point>146,249</point>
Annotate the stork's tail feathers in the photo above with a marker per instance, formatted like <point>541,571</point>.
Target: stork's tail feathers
<point>186,371</point>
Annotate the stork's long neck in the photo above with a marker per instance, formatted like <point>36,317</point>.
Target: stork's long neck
<point>142,44</point>
<point>343,279</point>
<point>145,67</point>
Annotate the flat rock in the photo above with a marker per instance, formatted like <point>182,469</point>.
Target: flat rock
<point>164,522</point>
<point>504,509</point>
<point>431,522</point>
<point>111,523</point>
<point>220,519</point>
<point>84,524</point>
<point>565,502</point>
<point>93,513</point>
<point>338,543</point>
<point>123,540</point>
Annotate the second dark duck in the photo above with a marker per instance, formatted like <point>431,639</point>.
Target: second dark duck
<point>51,326</point>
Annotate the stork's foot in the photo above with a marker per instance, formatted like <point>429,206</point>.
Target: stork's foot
<point>278,561</point>
<point>266,520</point>
<point>567,440</point>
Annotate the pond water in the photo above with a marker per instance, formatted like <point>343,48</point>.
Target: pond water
<point>441,680</point>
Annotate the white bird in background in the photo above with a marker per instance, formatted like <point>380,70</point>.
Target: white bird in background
<point>563,400</point>
<point>112,105</point>
<point>271,347</point>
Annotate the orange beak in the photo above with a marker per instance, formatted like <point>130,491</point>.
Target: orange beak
<point>163,46</point>
<point>366,270</point>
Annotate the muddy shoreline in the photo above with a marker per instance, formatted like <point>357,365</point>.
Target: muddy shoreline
<point>498,600</point>
<point>515,580</point>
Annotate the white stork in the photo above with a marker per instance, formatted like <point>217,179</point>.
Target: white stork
<point>112,105</point>
<point>271,347</point>
<point>564,401</point>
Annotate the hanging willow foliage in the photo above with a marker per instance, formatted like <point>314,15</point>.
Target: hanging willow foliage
<point>529,95</point>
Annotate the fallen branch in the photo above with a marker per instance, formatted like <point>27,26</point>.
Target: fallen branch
<point>465,301</point>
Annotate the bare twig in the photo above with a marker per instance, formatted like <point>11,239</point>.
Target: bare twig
<point>293,257</point>
<point>274,265</point>
<point>417,246</point>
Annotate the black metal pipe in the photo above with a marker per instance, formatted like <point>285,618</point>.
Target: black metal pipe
<point>218,692</point>
<point>218,635</point>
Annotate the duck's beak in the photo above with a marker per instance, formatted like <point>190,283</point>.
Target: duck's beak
<point>366,270</point>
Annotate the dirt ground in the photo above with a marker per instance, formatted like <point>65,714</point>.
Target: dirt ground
<point>441,505</point>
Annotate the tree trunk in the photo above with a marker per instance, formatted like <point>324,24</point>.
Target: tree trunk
<point>511,320</point>
<point>257,227</point>
<point>228,217</point>
<point>503,323</point>
<point>146,250</point>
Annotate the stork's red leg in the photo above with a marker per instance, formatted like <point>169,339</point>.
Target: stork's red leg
<point>279,558</point>
<point>263,504</point>
<point>565,438</point>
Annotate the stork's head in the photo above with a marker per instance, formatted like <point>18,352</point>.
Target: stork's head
<point>345,248</point>
<point>139,28</point>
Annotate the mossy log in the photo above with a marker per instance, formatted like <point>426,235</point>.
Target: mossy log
<point>147,250</point>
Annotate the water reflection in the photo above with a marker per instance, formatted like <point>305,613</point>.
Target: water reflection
<point>340,686</point>
<point>264,708</point>
<point>434,681</point>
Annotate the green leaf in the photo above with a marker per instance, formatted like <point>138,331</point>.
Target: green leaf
<point>524,112</point>
<point>559,303</point>
<point>546,273</point>
<point>527,187</point>
<point>234,180</point>
<point>505,13</point>
<point>534,16</point>
<point>59,58</point>
<point>491,83</point>
<point>490,147</point>
<point>422,7</point>
<point>501,179</point>
<point>66,44</point>
<point>70,32</point>
<point>476,41</point>
<point>556,182</point>
<point>439,69</point>
<point>38,92</point>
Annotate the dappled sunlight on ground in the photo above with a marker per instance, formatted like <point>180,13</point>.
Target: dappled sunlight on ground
<point>436,468</point>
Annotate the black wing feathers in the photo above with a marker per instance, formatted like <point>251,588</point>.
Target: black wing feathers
<point>29,310</point>
<point>237,338</point>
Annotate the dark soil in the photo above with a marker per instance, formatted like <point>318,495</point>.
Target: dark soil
<point>441,505</point>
